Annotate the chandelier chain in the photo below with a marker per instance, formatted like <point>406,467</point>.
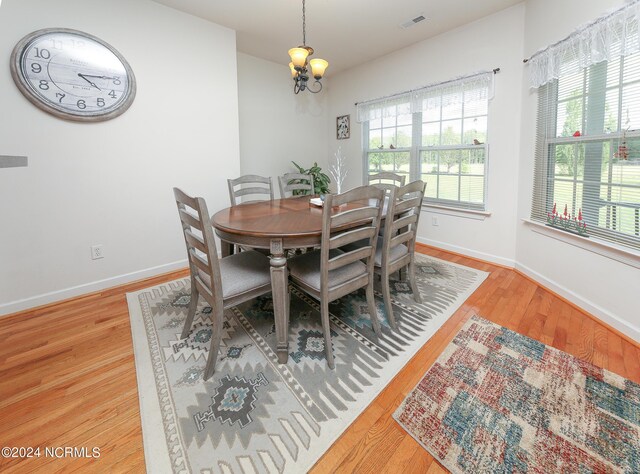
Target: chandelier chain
<point>304,25</point>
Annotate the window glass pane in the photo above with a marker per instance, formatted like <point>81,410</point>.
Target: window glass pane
<point>402,163</point>
<point>431,134</point>
<point>386,161</point>
<point>374,162</point>
<point>377,123</point>
<point>565,160</point>
<point>450,161</point>
<point>431,190</point>
<point>448,187</point>
<point>388,137</point>
<point>571,87</point>
<point>404,137</point>
<point>375,138</point>
<point>611,111</point>
<point>472,162</point>
<point>631,106</point>
<point>429,162</point>
<point>390,121</point>
<point>452,132</point>
<point>472,189</point>
<point>613,73</point>
<point>570,118</point>
<point>475,129</point>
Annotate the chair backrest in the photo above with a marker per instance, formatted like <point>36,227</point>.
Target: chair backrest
<point>346,218</point>
<point>401,220</point>
<point>250,184</point>
<point>386,180</point>
<point>201,245</point>
<point>295,182</point>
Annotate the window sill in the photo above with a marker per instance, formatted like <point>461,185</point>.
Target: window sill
<point>456,212</point>
<point>591,244</point>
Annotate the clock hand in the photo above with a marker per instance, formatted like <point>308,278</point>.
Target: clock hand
<point>92,83</point>
<point>100,77</point>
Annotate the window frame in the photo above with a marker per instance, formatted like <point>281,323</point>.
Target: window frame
<point>547,140</point>
<point>417,149</point>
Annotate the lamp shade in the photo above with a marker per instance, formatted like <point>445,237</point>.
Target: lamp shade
<point>294,73</point>
<point>298,56</point>
<point>318,67</point>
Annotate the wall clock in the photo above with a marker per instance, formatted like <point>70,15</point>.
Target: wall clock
<point>73,75</point>
<point>342,127</point>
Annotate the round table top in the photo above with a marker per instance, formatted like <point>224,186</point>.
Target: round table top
<point>291,217</point>
<point>277,218</point>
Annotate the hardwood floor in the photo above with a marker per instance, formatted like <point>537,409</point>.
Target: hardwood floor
<point>67,376</point>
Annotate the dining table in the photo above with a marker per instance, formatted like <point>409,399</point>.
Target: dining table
<point>277,225</point>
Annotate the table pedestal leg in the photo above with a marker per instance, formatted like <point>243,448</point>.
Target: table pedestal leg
<point>280,293</point>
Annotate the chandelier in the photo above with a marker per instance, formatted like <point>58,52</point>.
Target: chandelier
<point>300,66</point>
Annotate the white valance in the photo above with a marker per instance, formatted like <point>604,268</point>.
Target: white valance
<point>611,36</point>
<point>475,87</point>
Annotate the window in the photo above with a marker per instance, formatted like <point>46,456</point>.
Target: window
<point>588,148</point>
<point>437,134</point>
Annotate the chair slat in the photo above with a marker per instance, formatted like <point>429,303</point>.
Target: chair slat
<point>406,204</point>
<point>400,239</point>
<point>252,190</point>
<point>190,219</point>
<point>182,198</point>
<point>250,178</point>
<point>403,222</point>
<point>195,241</point>
<point>354,215</point>
<point>348,257</point>
<point>286,186</point>
<point>199,262</point>
<point>345,238</point>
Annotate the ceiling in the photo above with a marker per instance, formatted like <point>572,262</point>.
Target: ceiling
<point>344,32</point>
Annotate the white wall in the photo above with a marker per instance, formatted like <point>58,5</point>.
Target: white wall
<point>110,183</point>
<point>605,287</point>
<point>494,41</point>
<point>276,125</point>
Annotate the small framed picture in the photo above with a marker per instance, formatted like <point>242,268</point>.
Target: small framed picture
<point>343,127</point>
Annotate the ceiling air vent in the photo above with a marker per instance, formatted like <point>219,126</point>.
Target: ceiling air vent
<point>413,21</point>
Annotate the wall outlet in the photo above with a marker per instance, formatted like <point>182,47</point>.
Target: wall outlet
<point>97,252</point>
<point>434,220</point>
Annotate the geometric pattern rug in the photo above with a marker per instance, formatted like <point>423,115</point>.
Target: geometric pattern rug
<point>255,415</point>
<point>497,401</point>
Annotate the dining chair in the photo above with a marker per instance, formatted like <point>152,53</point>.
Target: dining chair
<point>386,180</point>
<point>223,282</point>
<point>250,185</point>
<point>396,248</point>
<point>290,182</point>
<point>329,273</point>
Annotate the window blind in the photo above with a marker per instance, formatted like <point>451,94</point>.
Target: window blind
<point>587,165</point>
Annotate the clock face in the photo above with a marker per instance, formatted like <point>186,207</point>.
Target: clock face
<point>73,75</point>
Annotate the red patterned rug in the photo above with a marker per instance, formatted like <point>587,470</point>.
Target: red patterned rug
<point>497,401</point>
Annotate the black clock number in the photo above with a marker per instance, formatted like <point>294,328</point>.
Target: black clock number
<point>44,85</point>
<point>100,102</point>
<point>42,53</point>
<point>36,68</point>
<point>81,104</point>
<point>61,96</point>
<point>112,94</point>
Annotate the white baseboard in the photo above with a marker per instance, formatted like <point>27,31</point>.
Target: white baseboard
<point>507,262</point>
<point>59,295</point>
<point>599,312</point>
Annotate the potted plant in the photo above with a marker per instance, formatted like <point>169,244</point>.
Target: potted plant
<point>320,180</point>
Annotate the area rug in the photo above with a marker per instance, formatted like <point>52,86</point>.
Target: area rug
<point>497,401</point>
<point>255,415</point>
